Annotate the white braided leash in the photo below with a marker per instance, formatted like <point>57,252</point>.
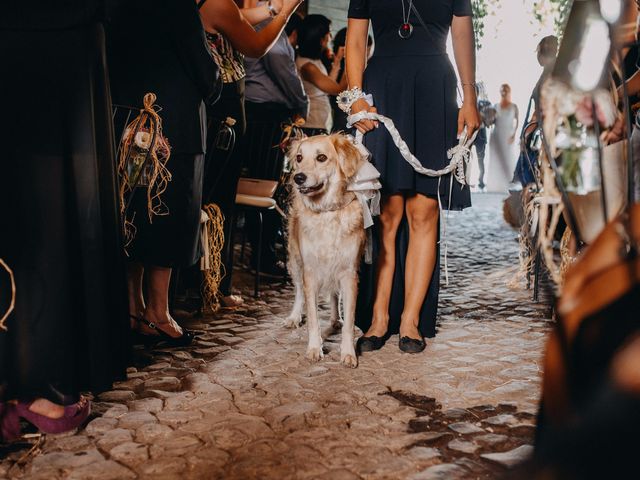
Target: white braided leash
<point>458,155</point>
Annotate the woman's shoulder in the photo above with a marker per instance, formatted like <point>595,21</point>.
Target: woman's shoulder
<point>303,61</point>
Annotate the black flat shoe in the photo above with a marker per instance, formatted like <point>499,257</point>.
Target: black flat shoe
<point>412,345</point>
<point>182,341</point>
<point>369,344</point>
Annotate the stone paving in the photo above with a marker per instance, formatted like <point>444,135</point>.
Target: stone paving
<point>244,403</point>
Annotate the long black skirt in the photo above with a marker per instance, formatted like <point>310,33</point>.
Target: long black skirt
<point>60,231</point>
<point>418,92</point>
<point>172,239</point>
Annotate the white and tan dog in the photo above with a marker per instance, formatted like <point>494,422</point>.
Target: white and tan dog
<point>325,236</point>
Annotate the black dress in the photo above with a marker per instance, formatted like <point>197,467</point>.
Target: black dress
<point>60,230</point>
<point>160,47</point>
<point>412,82</point>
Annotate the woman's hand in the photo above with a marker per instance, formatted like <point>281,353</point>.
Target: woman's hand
<point>364,126</point>
<point>469,117</point>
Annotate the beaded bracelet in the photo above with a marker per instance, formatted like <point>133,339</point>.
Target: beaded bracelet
<point>348,97</point>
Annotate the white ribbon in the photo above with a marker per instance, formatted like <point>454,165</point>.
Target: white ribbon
<point>458,155</point>
<point>366,186</point>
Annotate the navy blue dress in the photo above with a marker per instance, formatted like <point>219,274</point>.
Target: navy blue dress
<point>413,82</point>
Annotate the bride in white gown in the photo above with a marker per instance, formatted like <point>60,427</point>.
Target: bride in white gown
<point>503,156</point>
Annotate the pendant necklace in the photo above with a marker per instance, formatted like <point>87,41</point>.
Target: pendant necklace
<point>406,29</point>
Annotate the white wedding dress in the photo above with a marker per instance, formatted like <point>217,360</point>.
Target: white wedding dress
<point>503,155</point>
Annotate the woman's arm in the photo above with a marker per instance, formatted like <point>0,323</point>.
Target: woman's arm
<point>312,74</point>
<point>225,17</point>
<point>336,64</point>
<point>465,55</point>
<point>356,61</point>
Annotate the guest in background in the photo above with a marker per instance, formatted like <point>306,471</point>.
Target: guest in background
<point>61,240</point>
<point>503,154</point>
<point>546,53</point>
<point>274,96</point>
<point>231,36</point>
<point>291,29</point>
<point>314,36</point>
<point>488,115</point>
<point>177,67</point>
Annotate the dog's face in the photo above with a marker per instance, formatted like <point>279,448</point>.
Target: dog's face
<point>323,164</point>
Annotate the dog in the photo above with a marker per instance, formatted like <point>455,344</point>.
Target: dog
<point>326,236</point>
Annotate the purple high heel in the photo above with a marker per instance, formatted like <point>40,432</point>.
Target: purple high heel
<point>9,423</point>
<point>74,415</point>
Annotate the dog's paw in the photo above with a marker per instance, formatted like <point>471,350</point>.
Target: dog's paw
<point>315,354</point>
<point>349,360</point>
<point>293,321</point>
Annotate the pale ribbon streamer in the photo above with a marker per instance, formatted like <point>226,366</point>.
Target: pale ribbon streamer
<point>366,186</point>
<point>12,305</point>
<point>458,155</point>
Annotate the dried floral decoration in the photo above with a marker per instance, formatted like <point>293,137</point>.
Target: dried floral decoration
<point>211,262</point>
<point>144,153</point>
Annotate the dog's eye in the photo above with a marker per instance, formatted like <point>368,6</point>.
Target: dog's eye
<point>321,158</point>
<point>298,158</point>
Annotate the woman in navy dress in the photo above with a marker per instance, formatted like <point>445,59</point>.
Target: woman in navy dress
<point>413,82</point>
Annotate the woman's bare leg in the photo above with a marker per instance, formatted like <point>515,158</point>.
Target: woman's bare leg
<point>135,274</point>
<point>157,310</point>
<point>391,213</point>
<point>422,215</point>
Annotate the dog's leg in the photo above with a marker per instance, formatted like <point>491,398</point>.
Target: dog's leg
<point>295,270</point>
<point>335,311</point>
<point>314,349</point>
<point>349,291</point>
<point>295,317</point>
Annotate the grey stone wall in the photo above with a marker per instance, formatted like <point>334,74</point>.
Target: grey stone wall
<point>336,10</point>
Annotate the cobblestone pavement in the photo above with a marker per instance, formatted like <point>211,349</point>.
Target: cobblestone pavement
<point>245,403</point>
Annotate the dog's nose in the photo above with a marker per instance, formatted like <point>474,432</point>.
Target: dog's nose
<point>299,178</point>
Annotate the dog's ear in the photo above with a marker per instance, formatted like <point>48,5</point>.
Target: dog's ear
<point>293,146</point>
<point>349,158</point>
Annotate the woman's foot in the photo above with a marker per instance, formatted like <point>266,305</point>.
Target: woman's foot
<point>162,321</point>
<point>379,326</point>
<point>51,418</point>
<point>45,408</point>
<point>409,328</point>
<point>369,344</point>
<point>375,337</point>
<point>411,340</point>
<point>411,345</point>
<point>230,301</point>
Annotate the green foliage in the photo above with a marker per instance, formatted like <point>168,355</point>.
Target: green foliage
<point>481,9</point>
<point>559,9</point>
